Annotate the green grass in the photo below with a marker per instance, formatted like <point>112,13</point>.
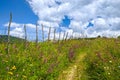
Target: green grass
<point>103,60</point>
<point>47,60</point>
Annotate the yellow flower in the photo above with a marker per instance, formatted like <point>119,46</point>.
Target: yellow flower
<point>13,68</point>
<point>24,76</point>
<point>110,61</point>
<point>11,73</point>
<point>108,73</point>
<point>23,69</point>
<point>6,61</point>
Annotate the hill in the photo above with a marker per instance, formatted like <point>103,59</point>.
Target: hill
<point>3,38</point>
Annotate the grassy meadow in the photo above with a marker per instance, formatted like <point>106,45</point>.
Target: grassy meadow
<point>48,60</point>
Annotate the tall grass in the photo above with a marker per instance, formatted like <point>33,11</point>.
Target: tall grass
<point>103,60</point>
<point>44,62</point>
<point>47,60</point>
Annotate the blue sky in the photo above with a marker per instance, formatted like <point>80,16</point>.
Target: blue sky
<point>22,13</point>
<point>89,17</point>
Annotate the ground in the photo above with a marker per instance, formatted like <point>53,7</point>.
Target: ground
<point>74,71</point>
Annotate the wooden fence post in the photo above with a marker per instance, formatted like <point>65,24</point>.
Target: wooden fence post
<point>36,34</point>
<point>63,36</point>
<point>25,36</point>
<point>54,34</point>
<point>66,36</point>
<point>72,35</point>
<point>59,36</point>
<point>42,32</point>
<point>49,33</point>
<point>8,41</point>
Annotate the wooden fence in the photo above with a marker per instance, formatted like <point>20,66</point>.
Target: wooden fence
<point>65,35</point>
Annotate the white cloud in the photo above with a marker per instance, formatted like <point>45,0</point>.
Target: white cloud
<point>13,24</point>
<point>81,12</point>
<point>17,32</point>
<point>31,25</point>
<point>100,24</point>
<point>48,23</point>
<point>17,29</point>
<point>115,24</point>
<point>104,14</point>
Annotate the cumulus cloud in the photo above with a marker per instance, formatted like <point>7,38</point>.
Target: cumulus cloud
<point>17,29</point>
<point>13,24</point>
<point>104,14</point>
<point>17,32</point>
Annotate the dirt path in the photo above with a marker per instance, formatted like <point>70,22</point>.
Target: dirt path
<point>74,71</point>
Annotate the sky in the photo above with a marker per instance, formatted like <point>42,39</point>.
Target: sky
<point>80,18</point>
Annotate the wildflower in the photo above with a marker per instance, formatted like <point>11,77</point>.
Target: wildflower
<point>6,61</point>
<point>104,67</point>
<point>107,68</point>
<point>17,75</point>
<point>13,68</point>
<point>1,54</point>
<point>24,76</point>
<point>118,66</point>
<point>108,73</point>
<point>96,64</point>
<point>23,69</point>
<point>31,65</point>
<point>110,61</point>
<point>11,73</point>
<point>7,68</point>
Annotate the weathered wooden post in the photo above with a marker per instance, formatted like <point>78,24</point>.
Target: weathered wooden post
<point>66,36</point>
<point>54,34</point>
<point>72,35</point>
<point>8,41</point>
<point>36,34</point>
<point>42,32</point>
<point>63,36</point>
<point>49,33</point>
<point>25,33</point>
<point>59,36</point>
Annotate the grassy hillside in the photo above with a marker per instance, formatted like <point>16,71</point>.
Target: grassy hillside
<point>3,38</point>
<point>48,60</point>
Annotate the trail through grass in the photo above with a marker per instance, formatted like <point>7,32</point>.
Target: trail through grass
<point>71,73</point>
<point>85,59</point>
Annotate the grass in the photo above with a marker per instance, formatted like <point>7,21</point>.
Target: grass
<point>44,61</point>
<point>103,60</point>
<point>47,60</point>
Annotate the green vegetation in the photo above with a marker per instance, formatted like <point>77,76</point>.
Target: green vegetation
<point>103,60</point>
<point>3,38</point>
<point>48,60</point>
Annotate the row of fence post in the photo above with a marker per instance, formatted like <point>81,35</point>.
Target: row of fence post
<point>65,35</point>
<point>25,34</point>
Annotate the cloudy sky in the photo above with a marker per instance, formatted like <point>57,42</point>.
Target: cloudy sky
<point>78,17</point>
